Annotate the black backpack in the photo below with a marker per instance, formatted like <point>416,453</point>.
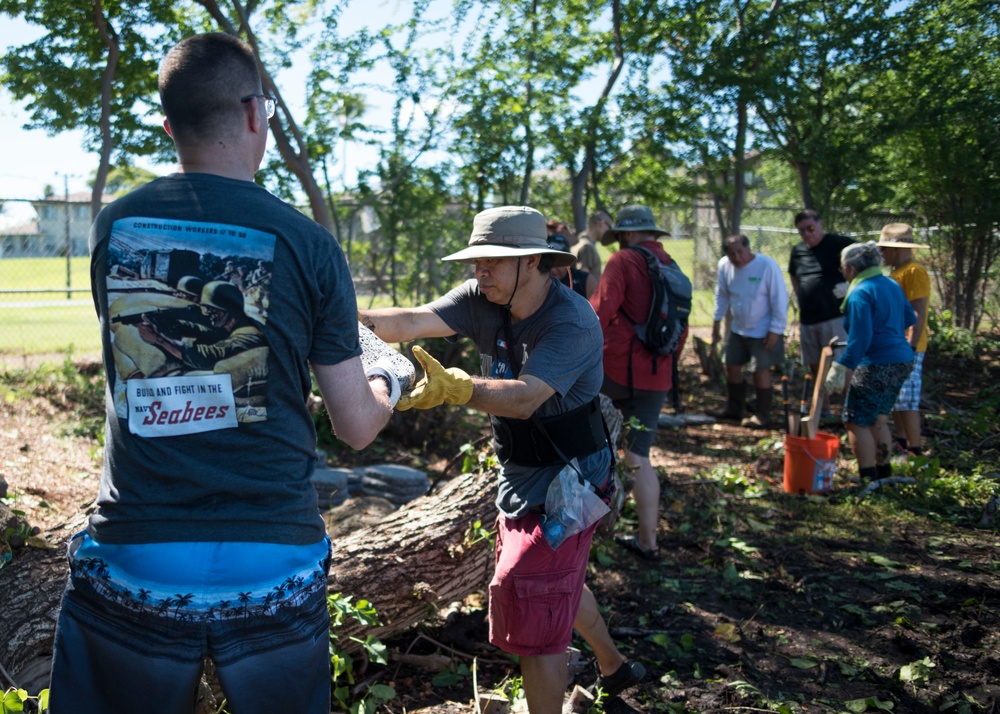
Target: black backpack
<point>669,309</point>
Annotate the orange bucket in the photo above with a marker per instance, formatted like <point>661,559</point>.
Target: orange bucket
<point>810,463</point>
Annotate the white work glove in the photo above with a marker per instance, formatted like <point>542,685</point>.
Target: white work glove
<point>840,290</point>
<point>383,368</point>
<point>835,378</point>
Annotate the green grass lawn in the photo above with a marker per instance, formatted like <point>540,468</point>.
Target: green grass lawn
<point>43,330</point>
<point>35,273</point>
<point>54,327</point>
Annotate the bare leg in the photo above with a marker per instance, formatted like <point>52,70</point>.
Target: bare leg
<point>882,438</point>
<point>862,443</point>
<point>762,379</point>
<point>544,682</point>
<point>593,629</point>
<point>646,492</point>
<point>908,425</point>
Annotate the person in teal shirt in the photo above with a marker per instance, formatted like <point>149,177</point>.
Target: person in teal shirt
<point>877,360</point>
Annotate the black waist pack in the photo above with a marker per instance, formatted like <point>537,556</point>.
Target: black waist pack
<point>578,432</point>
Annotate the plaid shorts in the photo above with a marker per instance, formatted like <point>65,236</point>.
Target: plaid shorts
<point>909,394</point>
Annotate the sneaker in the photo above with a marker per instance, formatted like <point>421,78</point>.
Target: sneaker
<point>632,543</point>
<point>628,675</point>
<point>754,422</point>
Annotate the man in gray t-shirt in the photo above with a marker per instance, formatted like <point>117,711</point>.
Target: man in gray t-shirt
<point>540,348</point>
<point>206,509</point>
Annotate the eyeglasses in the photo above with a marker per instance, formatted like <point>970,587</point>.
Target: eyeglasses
<point>269,102</point>
<point>807,229</point>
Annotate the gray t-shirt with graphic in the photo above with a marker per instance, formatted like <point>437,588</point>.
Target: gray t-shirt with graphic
<point>214,296</point>
<point>561,344</point>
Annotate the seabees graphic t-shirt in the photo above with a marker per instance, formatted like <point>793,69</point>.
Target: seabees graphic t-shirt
<point>214,297</point>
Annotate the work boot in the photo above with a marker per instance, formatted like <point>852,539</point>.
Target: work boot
<point>762,418</point>
<point>734,405</point>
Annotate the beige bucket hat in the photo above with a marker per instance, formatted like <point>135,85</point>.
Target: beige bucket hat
<point>898,235</point>
<point>509,232</point>
<point>632,218</point>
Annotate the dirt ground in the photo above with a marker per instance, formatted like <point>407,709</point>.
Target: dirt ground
<point>761,601</point>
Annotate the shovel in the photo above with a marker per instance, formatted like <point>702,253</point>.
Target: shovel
<point>811,421</point>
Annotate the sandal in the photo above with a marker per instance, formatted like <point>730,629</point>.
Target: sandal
<point>632,543</point>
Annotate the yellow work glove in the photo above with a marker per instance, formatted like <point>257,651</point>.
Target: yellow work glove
<point>438,385</point>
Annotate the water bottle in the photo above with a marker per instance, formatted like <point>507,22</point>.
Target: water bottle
<point>553,529</point>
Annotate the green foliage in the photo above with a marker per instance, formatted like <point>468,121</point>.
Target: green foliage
<point>60,74</point>
<point>341,607</point>
<point>80,392</point>
<point>947,338</point>
<point>18,700</point>
<point>452,676</point>
<point>512,689</point>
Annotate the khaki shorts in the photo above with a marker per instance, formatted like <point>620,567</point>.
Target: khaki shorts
<point>741,349</point>
<point>813,338</point>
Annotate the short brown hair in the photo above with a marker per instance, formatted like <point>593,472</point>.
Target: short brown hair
<point>201,82</point>
<point>599,216</point>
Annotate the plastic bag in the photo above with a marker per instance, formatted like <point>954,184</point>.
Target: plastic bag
<point>570,506</point>
<point>616,492</point>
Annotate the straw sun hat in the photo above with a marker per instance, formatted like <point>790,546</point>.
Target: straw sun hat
<point>898,235</point>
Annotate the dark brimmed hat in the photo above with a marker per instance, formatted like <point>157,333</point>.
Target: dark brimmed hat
<point>557,241</point>
<point>898,235</point>
<point>632,218</point>
<point>509,232</point>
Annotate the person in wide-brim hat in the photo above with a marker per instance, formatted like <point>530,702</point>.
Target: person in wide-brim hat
<point>898,235</point>
<point>632,218</point>
<point>509,232</point>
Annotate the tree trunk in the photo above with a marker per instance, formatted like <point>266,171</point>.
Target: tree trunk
<point>31,588</point>
<point>419,558</point>
<point>110,39</point>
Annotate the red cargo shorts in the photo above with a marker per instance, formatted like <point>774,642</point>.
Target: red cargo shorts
<point>535,592</point>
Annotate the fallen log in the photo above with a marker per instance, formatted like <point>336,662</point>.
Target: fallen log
<point>422,556</point>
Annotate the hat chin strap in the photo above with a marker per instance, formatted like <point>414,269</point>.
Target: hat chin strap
<point>517,280</point>
<point>508,328</point>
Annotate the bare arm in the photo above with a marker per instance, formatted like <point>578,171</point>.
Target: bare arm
<point>358,408</point>
<point>403,324</point>
<point>716,332</point>
<point>920,308</point>
<point>512,398</point>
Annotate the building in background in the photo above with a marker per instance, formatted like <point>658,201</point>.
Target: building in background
<point>48,234</point>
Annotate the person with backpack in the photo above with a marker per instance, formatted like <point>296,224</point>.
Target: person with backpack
<point>636,378</point>
<point>751,288</point>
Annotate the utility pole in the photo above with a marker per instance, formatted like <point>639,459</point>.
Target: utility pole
<point>69,240</point>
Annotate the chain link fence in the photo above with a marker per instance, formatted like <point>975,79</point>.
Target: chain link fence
<point>46,308</point>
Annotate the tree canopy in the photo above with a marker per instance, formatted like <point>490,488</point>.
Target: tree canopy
<point>569,106</point>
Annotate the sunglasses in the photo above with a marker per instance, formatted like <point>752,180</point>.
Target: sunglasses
<point>269,102</point>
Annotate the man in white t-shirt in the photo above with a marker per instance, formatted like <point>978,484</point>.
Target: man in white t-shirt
<point>752,289</point>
